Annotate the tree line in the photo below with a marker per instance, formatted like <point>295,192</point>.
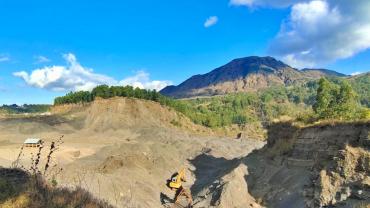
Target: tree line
<point>26,108</point>
<point>105,91</point>
<point>319,99</point>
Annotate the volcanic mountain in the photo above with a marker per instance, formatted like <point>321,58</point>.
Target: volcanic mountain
<point>243,75</point>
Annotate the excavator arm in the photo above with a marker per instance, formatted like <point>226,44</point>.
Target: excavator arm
<point>176,181</point>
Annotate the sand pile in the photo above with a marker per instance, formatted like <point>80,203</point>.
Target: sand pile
<point>230,190</point>
<point>121,113</point>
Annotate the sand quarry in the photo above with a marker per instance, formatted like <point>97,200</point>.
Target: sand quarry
<point>124,150</point>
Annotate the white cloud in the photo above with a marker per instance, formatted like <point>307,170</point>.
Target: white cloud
<point>241,2</point>
<point>210,21</point>
<point>4,58</point>
<point>41,59</point>
<point>319,31</point>
<point>292,60</point>
<point>74,77</point>
<point>356,73</point>
<point>141,80</point>
<point>268,3</point>
<point>61,78</point>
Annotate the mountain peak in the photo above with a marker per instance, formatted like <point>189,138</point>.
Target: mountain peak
<point>267,60</point>
<point>241,75</point>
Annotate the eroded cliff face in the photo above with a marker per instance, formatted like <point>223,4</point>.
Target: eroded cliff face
<point>347,179</point>
<point>315,166</point>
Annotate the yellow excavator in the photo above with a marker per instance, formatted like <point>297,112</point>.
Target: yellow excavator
<point>175,184</point>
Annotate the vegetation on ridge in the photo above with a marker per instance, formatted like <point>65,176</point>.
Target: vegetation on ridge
<point>16,109</point>
<point>332,98</point>
<point>337,100</point>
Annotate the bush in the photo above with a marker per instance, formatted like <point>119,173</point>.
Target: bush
<point>6,188</point>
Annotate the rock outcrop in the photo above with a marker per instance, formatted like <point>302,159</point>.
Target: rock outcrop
<point>317,166</point>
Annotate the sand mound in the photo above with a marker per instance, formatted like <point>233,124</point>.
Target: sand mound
<point>115,162</point>
<point>116,113</point>
<point>121,113</point>
<point>234,191</point>
<point>229,191</point>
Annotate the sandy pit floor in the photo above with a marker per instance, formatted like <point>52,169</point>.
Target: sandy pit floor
<point>122,160</point>
<point>131,170</point>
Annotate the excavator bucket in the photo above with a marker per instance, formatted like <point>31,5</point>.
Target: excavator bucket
<point>184,198</point>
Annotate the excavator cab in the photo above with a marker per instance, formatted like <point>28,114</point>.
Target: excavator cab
<point>176,179</point>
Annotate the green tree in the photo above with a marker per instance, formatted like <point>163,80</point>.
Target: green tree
<point>346,102</point>
<point>335,100</point>
<point>102,91</point>
<point>324,98</point>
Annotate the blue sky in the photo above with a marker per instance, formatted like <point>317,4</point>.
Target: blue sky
<point>48,48</point>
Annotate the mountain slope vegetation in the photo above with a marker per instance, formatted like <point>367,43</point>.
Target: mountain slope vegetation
<point>16,109</point>
<point>295,101</point>
<point>247,74</point>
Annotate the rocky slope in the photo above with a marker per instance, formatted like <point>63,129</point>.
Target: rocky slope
<point>317,166</point>
<point>242,75</point>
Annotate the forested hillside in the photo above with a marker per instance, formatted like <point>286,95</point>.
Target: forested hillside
<point>299,101</point>
<point>248,74</point>
<point>16,109</point>
<point>361,84</point>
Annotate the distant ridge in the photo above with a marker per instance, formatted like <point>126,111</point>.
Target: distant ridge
<point>242,75</point>
<point>324,72</point>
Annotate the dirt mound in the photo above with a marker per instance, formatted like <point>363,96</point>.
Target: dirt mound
<point>235,190</point>
<point>229,191</point>
<point>220,178</point>
<point>116,113</point>
<point>121,113</point>
<point>115,162</point>
<point>101,116</point>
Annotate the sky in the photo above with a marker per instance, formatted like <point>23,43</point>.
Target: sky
<point>49,48</point>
